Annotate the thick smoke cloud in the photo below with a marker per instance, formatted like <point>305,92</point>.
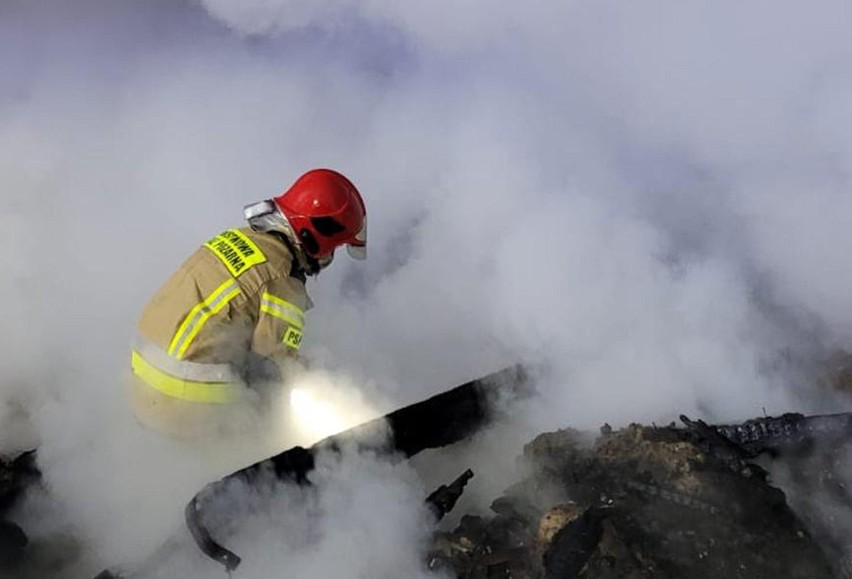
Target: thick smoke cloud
<point>651,201</point>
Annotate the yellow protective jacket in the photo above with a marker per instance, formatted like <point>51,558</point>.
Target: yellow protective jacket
<point>237,298</point>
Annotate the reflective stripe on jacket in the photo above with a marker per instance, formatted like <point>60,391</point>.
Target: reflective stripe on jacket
<point>231,297</point>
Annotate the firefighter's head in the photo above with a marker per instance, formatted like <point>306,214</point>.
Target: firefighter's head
<point>323,210</point>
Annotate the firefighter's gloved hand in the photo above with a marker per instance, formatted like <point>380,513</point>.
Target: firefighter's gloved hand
<point>271,379</point>
<point>258,370</point>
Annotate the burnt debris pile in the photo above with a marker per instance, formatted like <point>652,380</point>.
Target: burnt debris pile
<point>764,498</point>
<point>668,501</point>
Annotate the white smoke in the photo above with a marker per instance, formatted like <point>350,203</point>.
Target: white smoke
<point>650,200</point>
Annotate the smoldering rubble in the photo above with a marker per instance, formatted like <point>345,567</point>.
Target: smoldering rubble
<point>762,498</point>
<point>643,501</point>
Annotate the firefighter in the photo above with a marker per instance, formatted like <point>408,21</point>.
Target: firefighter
<point>229,322</point>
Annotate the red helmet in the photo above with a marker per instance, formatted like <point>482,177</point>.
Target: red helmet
<point>326,211</point>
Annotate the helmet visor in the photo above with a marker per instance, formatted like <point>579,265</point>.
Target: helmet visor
<point>357,249</point>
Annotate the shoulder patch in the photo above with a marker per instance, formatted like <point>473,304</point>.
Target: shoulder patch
<point>236,251</point>
<point>293,337</point>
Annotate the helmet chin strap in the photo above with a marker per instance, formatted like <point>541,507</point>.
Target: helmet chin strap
<point>308,264</point>
<point>324,262</point>
<point>313,265</point>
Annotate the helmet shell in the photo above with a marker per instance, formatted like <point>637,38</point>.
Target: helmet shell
<point>325,210</point>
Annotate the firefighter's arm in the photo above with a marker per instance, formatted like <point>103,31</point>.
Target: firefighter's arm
<point>280,322</point>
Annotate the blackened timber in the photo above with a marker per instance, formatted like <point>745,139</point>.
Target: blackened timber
<point>724,447</point>
<point>442,500</point>
<point>439,421</point>
<point>573,546</point>
<point>16,475</point>
<point>790,431</point>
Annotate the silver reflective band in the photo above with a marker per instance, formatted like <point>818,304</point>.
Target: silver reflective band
<point>283,310</point>
<point>199,315</point>
<point>195,371</point>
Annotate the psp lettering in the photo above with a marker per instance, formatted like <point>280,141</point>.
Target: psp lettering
<point>293,338</point>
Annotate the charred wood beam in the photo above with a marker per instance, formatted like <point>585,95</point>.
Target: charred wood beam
<point>12,543</point>
<point>723,447</point>
<point>444,498</point>
<point>15,476</point>
<point>788,432</point>
<point>433,423</point>
<point>573,546</point>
